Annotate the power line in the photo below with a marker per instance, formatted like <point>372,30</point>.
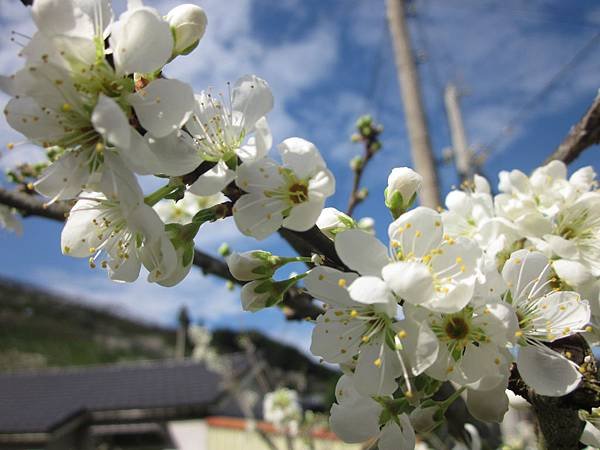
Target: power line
<point>493,145</point>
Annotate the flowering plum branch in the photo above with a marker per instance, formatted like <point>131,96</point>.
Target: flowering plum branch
<point>488,293</point>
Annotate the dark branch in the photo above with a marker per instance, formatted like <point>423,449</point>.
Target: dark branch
<point>582,135</point>
<point>297,305</point>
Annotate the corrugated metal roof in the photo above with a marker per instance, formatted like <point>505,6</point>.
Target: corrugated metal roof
<point>39,401</point>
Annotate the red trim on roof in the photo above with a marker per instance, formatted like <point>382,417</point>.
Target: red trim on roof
<point>235,423</point>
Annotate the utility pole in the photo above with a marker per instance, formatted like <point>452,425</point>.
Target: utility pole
<point>460,146</point>
<point>408,77</point>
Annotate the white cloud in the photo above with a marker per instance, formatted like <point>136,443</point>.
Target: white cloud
<point>206,297</point>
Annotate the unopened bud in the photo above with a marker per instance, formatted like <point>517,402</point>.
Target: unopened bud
<point>356,163</point>
<point>188,23</point>
<point>224,250</point>
<point>331,222</point>
<point>401,192</point>
<point>253,265</point>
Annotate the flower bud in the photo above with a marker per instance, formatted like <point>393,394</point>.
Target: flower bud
<point>253,265</point>
<point>331,222</point>
<point>425,419</point>
<point>259,294</point>
<point>401,192</point>
<point>188,23</point>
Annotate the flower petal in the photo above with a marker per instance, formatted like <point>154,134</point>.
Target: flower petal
<point>323,283</point>
<point>361,252</point>
<point>163,106</point>
<point>546,371</point>
<point>251,96</point>
<point>141,41</point>
<point>111,122</point>
<point>213,181</point>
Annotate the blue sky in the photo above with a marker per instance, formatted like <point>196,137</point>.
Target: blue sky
<point>328,62</point>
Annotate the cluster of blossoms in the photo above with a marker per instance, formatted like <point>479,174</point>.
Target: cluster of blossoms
<point>456,295</point>
<point>93,94</point>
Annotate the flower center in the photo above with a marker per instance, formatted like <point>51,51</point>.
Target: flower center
<point>457,328</point>
<point>298,192</point>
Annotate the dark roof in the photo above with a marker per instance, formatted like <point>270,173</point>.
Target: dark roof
<point>40,401</point>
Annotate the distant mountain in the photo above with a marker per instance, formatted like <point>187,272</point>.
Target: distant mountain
<point>39,328</point>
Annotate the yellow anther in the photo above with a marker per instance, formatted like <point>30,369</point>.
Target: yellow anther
<point>353,313</point>
<point>450,369</point>
<point>321,277</point>
<point>459,259</point>
<point>588,329</point>
<point>582,369</point>
<point>497,361</point>
<point>408,225</point>
<point>568,354</point>
<point>438,223</point>
<point>518,261</point>
<point>401,334</point>
<point>463,268</point>
<point>99,146</point>
<point>92,263</point>
<point>567,330</point>
<point>342,282</point>
<point>66,249</point>
<point>408,394</point>
<point>365,339</point>
<point>92,249</point>
<point>10,146</point>
<point>66,107</point>
<point>30,186</point>
<point>395,244</point>
<point>427,259</point>
<point>518,333</point>
<point>377,363</point>
<point>418,233</point>
<point>104,264</point>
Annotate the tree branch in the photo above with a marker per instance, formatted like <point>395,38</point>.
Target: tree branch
<point>297,305</point>
<point>582,135</point>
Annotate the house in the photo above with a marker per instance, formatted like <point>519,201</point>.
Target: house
<point>169,404</point>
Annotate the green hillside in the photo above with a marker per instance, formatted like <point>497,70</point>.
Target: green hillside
<point>39,329</point>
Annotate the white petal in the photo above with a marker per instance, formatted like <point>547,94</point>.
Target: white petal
<point>573,272</point>
<point>54,17</point>
<point>139,157</point>
<point>376,378</point>
<point>370,290</point>
<point>163,106</point>
<point>111,122</point>
<point>395,438</point>
<point>79,234</point>
<point>141,41</point>
<point>175,153</point>
<point>257,146</point>
<point>361,252</point>
<point>546,371</point>
<point>213,181</point>
<point>65,178</point>
<point>304,216</point>
<point>525,273</point>
<point>561,314</point>
<point>419,344</point>
<point>590,436</point>
<point>323,283</point>
<point>127,270</point>
<point>252,98</point>
<point>357,422</point>
<point>412,281</point>
<point>259,176</point>
<point>335,340</point>
<point>455,299</point>
<point>490,405</point>
<point>417,231</point>
<point>301,156</point>
<point>258,216</point>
